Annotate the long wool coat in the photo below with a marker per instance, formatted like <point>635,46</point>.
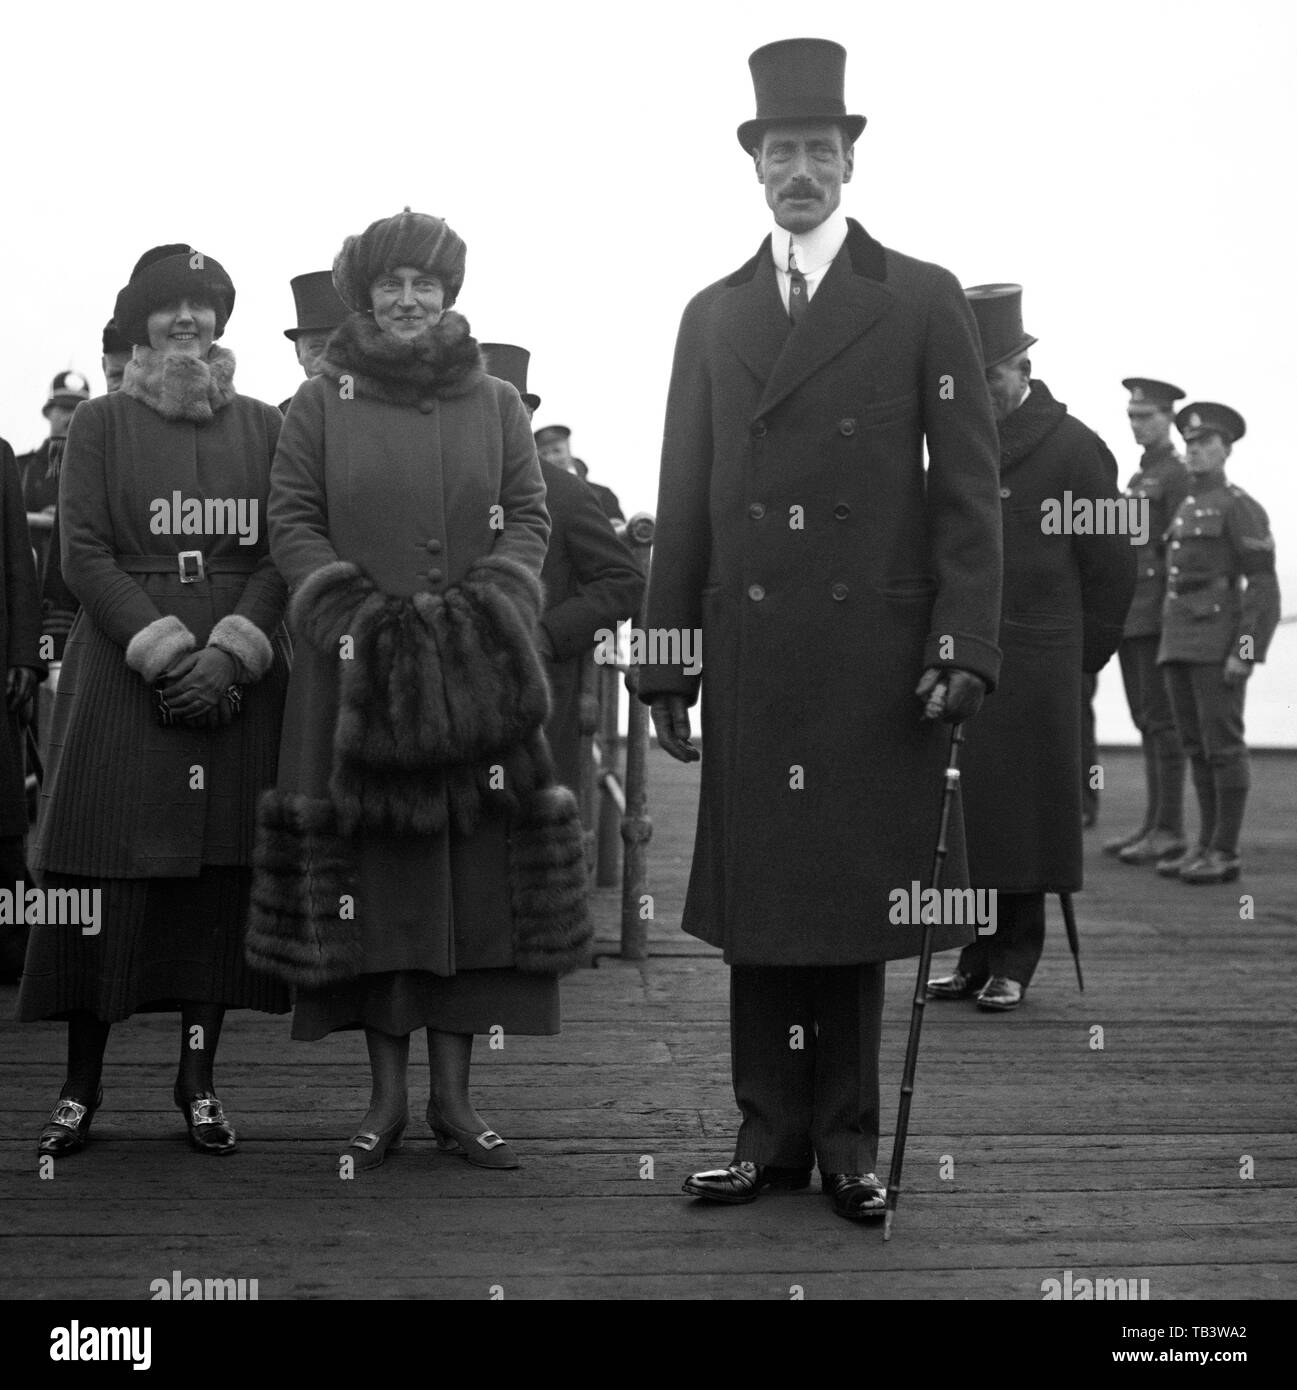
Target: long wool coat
<point>125,797</point>
<point>591,581</point>
<point>413,489</point>
<point>1065,602</point>
<point>797,528</point>
<point>20,633</point>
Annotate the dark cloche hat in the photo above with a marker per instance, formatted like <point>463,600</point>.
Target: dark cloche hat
<point>113,341</point>
<point>799,80</point>
<point>410,238</point>
<point>509,362</point>
<point>318,305</point>
<point>67,389</point>
<point>551,434</point>
<point>998,311</point>
<point>1210,417</point>
<point>165,275</point>
<point>1157,395</point>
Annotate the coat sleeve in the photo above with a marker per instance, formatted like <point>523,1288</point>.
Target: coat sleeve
<point>21,602</point>
<point>297,513</point>
<point>682,542</point>
<point>524,533</point>
<point>265,595</point>
<point>609,582</point>
<point>963,496</point>
<point>1107,563</point>
<point>1248,529</point>
<point>115,603</point>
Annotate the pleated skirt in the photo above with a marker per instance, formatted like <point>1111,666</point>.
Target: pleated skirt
<point>162,941</point>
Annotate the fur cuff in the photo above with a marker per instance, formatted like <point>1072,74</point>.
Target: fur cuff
<point>327,603</point>
<point>548,886</point>
<point>515,581</point>
<point>155,647</point>
<point>246,643</point>
<point>302,869</point>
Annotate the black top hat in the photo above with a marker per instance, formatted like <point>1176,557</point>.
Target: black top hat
<point>318,304</point>
<point>1210,417</point>
<point>1158,395</point>
<point>551,434</point>
<point>67,389</point>
<point>998,311</point>
<point>799,80</point>
<point>509,363</point>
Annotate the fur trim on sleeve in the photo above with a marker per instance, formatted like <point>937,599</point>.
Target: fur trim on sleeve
<point>155,647</point>
<point>246,643</point>
<point>328,602</point>
<point>548,886</point>
<point>504,576</point>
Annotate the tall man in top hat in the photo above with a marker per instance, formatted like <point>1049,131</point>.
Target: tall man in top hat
<point>1160,484</point>
<point>1220,612</point>
<point>319,312</point>
<point>591,580</point>
<point>1069,571</point>
<point>836,590</point>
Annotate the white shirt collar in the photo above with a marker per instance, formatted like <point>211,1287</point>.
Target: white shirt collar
<point>815,249</point>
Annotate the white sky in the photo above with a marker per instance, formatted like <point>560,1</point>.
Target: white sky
<point>1130,163</point>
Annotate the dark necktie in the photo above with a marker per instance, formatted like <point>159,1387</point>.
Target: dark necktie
<point>797,295</point>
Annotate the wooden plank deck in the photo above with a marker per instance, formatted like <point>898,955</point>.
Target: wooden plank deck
<point>1123,1162</point>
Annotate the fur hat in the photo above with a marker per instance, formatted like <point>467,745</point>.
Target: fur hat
<point>410,238</point>
<point>165,275</point>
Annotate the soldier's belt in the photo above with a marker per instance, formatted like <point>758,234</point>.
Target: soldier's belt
<point>191,565</point>
<point>1176,586</point>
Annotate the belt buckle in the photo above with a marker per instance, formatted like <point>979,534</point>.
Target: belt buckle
<point>200,570</point>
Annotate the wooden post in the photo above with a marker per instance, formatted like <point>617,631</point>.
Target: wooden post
<point>636,827</point>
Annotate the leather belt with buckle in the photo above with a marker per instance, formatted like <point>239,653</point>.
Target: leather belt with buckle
<point>191,566</point>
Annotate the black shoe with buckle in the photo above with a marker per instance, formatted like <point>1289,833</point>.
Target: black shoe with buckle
<point>209,1131</point>
<point>740,1182</point>
<point>956,985</point>
<point>67,1127</point>
<point>855,1196</point>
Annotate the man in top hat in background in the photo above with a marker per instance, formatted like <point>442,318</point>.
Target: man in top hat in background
<point>1219,614</point>
<point>116,354</point>
<point>1160,483</point>
<point>591,580</point>
<point>319,312</point>
<point>553,446</point>
<point>835,591</point>
<point>1066,591</point>
<point>39,470</point>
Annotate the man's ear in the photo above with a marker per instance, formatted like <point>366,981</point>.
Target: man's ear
<point>849,161</point>
<point>756,162</point>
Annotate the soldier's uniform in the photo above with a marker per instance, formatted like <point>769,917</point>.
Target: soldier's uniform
<point>1222,600</point>
<point>1161,481</point>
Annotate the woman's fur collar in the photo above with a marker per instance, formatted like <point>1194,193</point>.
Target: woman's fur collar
<point>442,361</point>
<point>180,387</point>
<point>1027,428</point>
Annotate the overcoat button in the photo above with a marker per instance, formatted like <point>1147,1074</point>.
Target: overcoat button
<point>427,407</point>
<point>756,511</point>
<point>848,426</point>
<point>1175,545</point>
<point>434,547</point>
<point>759,430</point>
<point>1175,569</point>
<point>839,592</point>
<point>435,576</point>
<point>1006,492</point>
<point>842,511</point>
<point>756,593</point>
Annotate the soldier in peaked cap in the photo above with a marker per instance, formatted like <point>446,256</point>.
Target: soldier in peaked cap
<point>1219,614</point>
<point>1066,591</point>
<point>1160,484</point>
<point>39,470</point>
<point>319,312</point>
<point>835,593</point>
<point>553,444</point>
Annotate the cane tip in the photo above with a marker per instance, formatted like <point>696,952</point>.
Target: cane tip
<point>887,1226</point>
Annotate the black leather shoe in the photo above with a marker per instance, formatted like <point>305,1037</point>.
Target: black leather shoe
<point>1000,993</point>
<point>741,1182</point>
<point>956,985</point>
<point>855,1196</point>
<point>67,1127</point>
<point>209,1131</point>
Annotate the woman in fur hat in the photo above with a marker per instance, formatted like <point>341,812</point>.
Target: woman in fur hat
<point>166,723</point>
<point>417,866</point>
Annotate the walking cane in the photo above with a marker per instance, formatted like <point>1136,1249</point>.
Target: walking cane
<point>1069,921</point>
<point>921,989</point>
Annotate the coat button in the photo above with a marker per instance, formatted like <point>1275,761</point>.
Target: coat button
<point>427,407</point>
<point>756,511</point>
<point>847,426</point>
<point>1006,492</point>
<point>842,511</point>
<point>839,592</point>
<point>759,430</point>
<point>1175,545</point>
<point>1175,569</point>
<point>433,547</point>
<point>1150,571</point>
<point>756,593</point>
<point>435,576</point>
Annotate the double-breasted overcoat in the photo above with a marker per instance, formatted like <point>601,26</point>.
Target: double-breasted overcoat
<point>826,568</point>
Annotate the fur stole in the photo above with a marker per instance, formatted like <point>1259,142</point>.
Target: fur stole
<point>1024,431</point>
<point>180,387</point>
<point>442,361</point>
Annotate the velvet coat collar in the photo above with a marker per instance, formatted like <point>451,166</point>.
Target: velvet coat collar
<point>180,387</point>
<point>443,361</point>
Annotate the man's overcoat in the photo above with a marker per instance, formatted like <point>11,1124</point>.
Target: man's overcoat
<point>798,529</point>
